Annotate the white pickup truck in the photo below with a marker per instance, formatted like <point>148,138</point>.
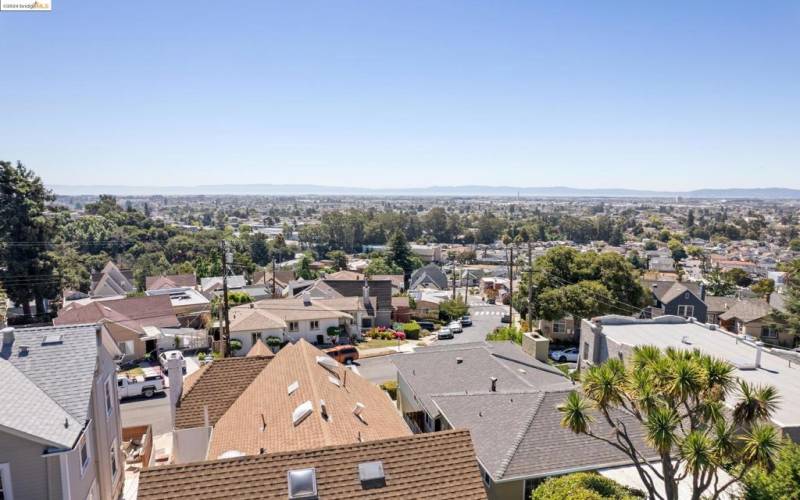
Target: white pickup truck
<point>148,384</point>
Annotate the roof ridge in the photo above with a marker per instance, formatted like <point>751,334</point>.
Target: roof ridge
<point>304,353</point>
<point>506,461</point>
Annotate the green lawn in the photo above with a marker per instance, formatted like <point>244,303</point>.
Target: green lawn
<point>375,343</point>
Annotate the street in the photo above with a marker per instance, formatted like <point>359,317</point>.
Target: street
<point>142,411</point>
<point>485,318</point>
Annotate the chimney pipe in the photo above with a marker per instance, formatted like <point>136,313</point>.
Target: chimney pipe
<point>366,291</point>
<point>459,360</point>
<point>8,335</point>
<point>494,383</point>
<point>759,347</point>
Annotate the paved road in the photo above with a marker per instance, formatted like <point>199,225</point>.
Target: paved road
<point>142,411</point>
<point>485,318</point>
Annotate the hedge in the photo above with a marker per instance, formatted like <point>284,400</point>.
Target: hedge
<point>584,486</point>
<point>412,330</point>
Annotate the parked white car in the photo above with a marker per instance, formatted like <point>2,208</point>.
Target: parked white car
<point>455,327</point>
<point>569,354</point>
<point>444,333</point>
<point>147,385</point>
<point>165,356</point>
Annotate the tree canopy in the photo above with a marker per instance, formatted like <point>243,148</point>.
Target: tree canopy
<point>679,399</point>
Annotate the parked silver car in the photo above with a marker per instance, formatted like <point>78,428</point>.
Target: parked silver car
<point>444,333</point>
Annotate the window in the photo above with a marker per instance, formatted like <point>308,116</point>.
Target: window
<point>314,324</point>
<point>5,482</point>
<point>84,451</point>
<point>293,326</point>
<point>126,347</point>
<point>109,401</point>
<point>255,337</point>
<point>559,326</point>
<point>769,332</point>
<point>487,479</point>
<point>685,311</point>
<point>114,461</point>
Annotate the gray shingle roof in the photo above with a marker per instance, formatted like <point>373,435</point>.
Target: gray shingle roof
<point>435,370</point>
<point>747,310</point>
<point>531,442</point>
<point>62,371</point>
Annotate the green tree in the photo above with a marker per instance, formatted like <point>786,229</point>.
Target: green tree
<point>584,486</point>
<point>339,259</point>
<point>259,249</point>
<point>794,245</point>
<point>399,254</point>
<point>303,268</point>
<point>678,398</point>
<point>764,287</point>
<point>379,265</point>
<point>718,284</point>
<point>26,265</point>
<point>782,482</point>
<point>452,309</point>
<point>678,252</point>
<point>738,276</point>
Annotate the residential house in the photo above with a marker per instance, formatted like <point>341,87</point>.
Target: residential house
<point>399,467</point>
<point>684,299</point>
<point>381,290</point>
<point>187,303</point>
<point>616,336</point>
<point>60,430</point>
<point>214,284</point>
<point>126,321</point>
<point>429,276</point>
<point>753,317</point>
<point>465,368</point>
<point>170,281</point>
<point>398,281</point>
<point>111,281</point>
<point>300,399</point>
<point>565,330</point>
<point>296,318</point>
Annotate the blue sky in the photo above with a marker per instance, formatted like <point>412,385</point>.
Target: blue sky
<point>664,95</point>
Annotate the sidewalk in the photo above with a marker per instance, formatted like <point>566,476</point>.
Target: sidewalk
<point>409,346</point>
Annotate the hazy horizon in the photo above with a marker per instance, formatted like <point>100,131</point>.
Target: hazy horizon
<point>644,96</point>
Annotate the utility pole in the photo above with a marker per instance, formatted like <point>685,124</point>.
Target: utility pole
<point>274,294</point>
<point>530,286</point>
<point>454,279</point>
<point>226,332</point>
<point>511,285</point>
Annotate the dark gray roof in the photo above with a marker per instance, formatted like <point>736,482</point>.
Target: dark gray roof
<point>430,273</point>
<point>747,310</point>
<point>719,304</point>
<point>62,370</point>
<point>666,291</point>
<point>530,442</point>
<point>435,370</point>
<point>380,289</point>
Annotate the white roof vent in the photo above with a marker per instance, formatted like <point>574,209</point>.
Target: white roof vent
<point>371,474</point>
<point>327,362</point>
<point>293,387</point>
<point>302,483</point>
<point>333,380</point>
<point>230,454</point>
<point>301,412</point>
<point>52,338</point>
<point>358,411</point>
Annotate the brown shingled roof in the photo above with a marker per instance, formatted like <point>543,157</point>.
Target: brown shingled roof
<point>217,386</point>
<point>260,349</point>
<point>438,465</point>
<point>261,417</point>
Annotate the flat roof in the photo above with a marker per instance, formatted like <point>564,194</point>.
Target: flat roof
<point>666,332</point>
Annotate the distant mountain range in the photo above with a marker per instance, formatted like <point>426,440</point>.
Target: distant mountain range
<point>770,193</point>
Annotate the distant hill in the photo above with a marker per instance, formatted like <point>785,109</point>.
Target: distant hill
<point>770,193</point>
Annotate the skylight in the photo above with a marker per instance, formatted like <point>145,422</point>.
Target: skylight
<point>327,362</point>
<point>52,338</point>
<point>301,412</point>
<point>293,387</point>
<point>302,483</point>
<point>333,380</point>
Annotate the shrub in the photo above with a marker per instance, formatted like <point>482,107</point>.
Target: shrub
<point>236,345</point>
<point>273,341</point>
<point>506,333</point>
<point>411,330</point>
<point>201,356</point>
<point>584,486</point>
<point>333,331</point>
<point>390,387</point>
<point>781,482</point>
